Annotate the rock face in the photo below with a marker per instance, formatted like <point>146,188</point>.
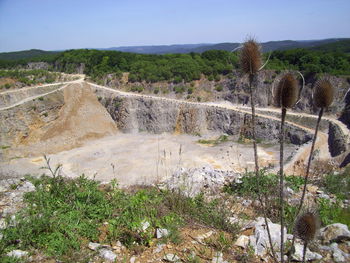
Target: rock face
<point>345,115</point>
<point>38,65</point>
<point>337,141</point>
<point>134,114</point>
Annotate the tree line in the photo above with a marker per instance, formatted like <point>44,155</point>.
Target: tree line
<point>183,67</point>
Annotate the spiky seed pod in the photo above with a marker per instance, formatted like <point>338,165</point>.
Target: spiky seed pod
<point>287,92</point>
<point>323,93</point>
<point>307,226</point>
<point>250,57</point>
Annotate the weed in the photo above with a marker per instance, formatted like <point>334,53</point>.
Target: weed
<point>221,242</point>
<point>220,139</point>
<point>4,147</point>
<point>41,98</point>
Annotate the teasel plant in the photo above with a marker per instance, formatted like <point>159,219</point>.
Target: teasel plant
<point>250,60</point>
<point>322,97</point>
<point>306,228</point>
<point>285,95</point>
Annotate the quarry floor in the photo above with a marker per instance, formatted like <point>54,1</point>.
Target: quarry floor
<point>145,158</point>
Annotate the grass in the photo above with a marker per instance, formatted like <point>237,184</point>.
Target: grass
<point>4,147</point>
<point>338,184</point>
<point>220,139</point>
<point>63,215</point>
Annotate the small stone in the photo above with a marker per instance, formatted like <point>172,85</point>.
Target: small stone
<point>17,253</point>
<point>159,248</point>
<point>94,246</point>
<point>132,259</point>
<point>145,225</point>
<point>200,238</point>
<point>171,258</point>
<point>3,224</point>
<point>242,241</point>
<point>107,254</point>
<point>246,202</point>
<point>162,232</point>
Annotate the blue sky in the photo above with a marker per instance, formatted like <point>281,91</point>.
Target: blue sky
<point>66,24</point>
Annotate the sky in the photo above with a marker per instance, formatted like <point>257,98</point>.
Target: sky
<point>70,24</point>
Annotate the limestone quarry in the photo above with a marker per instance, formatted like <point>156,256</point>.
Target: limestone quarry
<point>107,133</point>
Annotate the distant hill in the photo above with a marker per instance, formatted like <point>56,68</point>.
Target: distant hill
<point>199,48</point>
<point>334,44</point>
<point>25,54</point>
<point>161,49</point>
<point>341,46</point>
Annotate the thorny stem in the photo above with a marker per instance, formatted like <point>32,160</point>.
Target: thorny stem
<point>252,103</point>
<point>307,172</point>
<point>284,111</point>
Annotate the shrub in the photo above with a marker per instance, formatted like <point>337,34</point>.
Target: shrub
<point>219,87</point>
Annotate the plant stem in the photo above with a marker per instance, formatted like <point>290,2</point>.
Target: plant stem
<point>304,251</point>
<point>252,103</point>
<point>310,159</point>
<point>307,172</point>
<point>283,117</point>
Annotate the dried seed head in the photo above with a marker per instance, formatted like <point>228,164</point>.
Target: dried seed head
<point>306,226</point>
<point>323,93</point>
<point>250,57</point>
<point>287,93</point>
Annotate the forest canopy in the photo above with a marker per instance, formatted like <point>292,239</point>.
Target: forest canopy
<point>183,67</point>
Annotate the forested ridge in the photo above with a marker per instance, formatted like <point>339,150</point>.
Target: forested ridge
<point>187,67</point>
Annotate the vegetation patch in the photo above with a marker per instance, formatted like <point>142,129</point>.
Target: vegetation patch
<point>220,139</point>
<point>62,215</point>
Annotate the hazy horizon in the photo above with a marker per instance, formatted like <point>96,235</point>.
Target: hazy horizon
<point>61,25</point>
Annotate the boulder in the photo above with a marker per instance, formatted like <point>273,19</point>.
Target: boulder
<point>334,233</point>
<point>298,254</point>
<point>260,241</point>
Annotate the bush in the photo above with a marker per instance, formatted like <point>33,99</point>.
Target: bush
<point>179,89</point>
<point>137,88</point>
<point>219,87</point>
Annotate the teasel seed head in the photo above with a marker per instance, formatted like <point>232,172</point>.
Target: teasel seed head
<point>286,93</point>
<point>250,57</point>
<point>307,225</point>
<point>323,93</point>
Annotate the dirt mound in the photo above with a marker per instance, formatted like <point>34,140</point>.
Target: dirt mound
<point>81,118</point>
